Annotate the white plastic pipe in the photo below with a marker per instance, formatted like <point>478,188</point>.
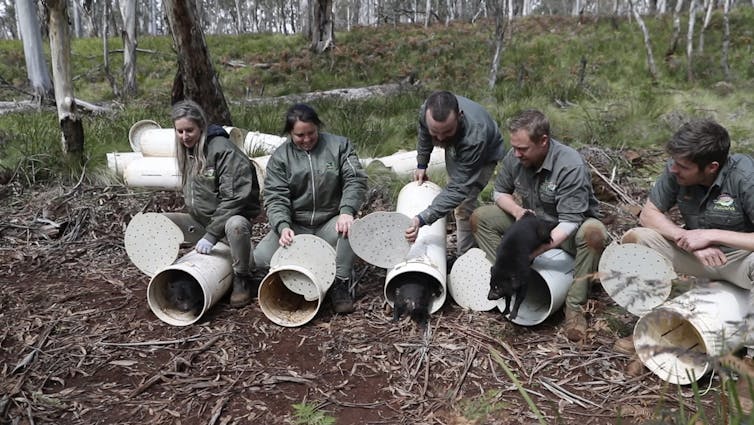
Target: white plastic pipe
<point>212,272</point>
<point>547,290</point>
<point>154,172</point>
<point>428,254</point>
<point>678,339</point>
<point>256,142</point>
<point>403,163</point>
<point>158,142</point>
<point>298,280</point>
<point>117,162</point>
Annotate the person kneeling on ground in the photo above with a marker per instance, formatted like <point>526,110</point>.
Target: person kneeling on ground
<point>714,192</point>
<point>314,185</point>
<point>221,193</point>
<point>554,182</point>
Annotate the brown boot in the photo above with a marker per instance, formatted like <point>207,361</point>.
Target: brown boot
<point>625,346</point>
<point>340,296</point>
<point>575,324</point>
<point>244,290</point>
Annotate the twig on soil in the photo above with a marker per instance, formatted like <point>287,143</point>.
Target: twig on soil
<point>147,343</point>
<point>217,410</point>
<point>565,395</point>
<point>470,355</point>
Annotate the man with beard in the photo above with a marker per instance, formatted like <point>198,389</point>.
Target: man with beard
<point>473,146</point>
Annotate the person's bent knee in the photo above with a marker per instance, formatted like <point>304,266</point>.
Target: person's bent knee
<point>237,225</point>
<point>637,235</point>
<point>595,235</point>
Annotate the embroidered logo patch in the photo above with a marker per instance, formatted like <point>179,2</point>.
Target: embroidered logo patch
<point>724,202</point>
<point>330,166</point>
<point>209,172</point>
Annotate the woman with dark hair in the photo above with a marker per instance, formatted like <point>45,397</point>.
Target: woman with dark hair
<point>220,190</point>
<point>314,184</point>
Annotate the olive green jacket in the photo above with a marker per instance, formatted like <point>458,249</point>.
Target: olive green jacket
<point>226,187</point>
<point>309,188</point>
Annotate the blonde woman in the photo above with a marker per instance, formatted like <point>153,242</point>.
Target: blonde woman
<point>221,193</point>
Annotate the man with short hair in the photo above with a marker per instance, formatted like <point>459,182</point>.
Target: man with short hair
<point>714,192</point>
<point>554,182</point>
<point>473,146</point>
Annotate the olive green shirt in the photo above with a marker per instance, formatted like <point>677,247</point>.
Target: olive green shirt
<point>727,205</point>
<point>559,190</point>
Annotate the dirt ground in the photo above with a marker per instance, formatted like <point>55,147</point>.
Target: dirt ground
<point>79,344</point>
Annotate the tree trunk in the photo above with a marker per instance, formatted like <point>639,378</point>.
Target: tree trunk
<point>60,49</point>
<point>427,13</point>
<point>647,41</point>
<point>690,42</point>
<point>676,29</point>
<point>707,19</point>
<point>726,39</point>
<point>128,12</point>
<point>106,50</point>
<point>36,63</point>
<point>323,31</point>
<point>501,23</point>
<point>196,78</point>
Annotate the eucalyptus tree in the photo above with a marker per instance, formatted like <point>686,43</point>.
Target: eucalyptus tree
<point>196,78</point>
<point>60,49</point>
<point>322,32</point>
<point>36,63</point>
<point>128,12</point>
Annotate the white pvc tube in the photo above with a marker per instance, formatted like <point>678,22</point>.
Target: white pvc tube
<point>154,172</point>
<point>428,254</point>
<point>678,339</point>
<point>158,142</point>
<point>547,290</point>
<point>295,287</point>
<point>136,130</point>
<point>212,272</point>
<point>284,306</point>
<point>266,143</point>
<point>236,135</point>
<point>117,162</point>
<point>403,163</point>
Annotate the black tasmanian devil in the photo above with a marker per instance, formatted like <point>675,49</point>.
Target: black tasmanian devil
<point>512,271</point>
<point>413,296</point>
<point>185,294</point>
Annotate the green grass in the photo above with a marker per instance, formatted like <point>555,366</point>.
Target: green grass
<point>590,78</point>
<point>310,414</point>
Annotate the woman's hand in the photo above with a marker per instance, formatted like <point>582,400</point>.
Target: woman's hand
<point>286,236</point>
<point>343,225</point>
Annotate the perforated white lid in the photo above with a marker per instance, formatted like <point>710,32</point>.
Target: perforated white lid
<point>379,238</point>
<point>470,281</point>
<point>152,242</point>
<point>636,277</point>
<point>312,253</point>
<point>136,130</point>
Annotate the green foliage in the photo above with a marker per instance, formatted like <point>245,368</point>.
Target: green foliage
<point>309,414</point>
<point>589,77</point>
<point>479,408</point>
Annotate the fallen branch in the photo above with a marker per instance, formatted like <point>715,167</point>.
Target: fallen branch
<point>618,191</point>
<point>357,93</point>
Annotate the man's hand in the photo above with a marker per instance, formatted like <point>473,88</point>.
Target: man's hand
<point>413,230</point>
<point>711,257</point>
<point>286,236</point>
<point>204,246</point>
<point>420,175</point>
<point>343,225</point>
<point>693,240</point>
